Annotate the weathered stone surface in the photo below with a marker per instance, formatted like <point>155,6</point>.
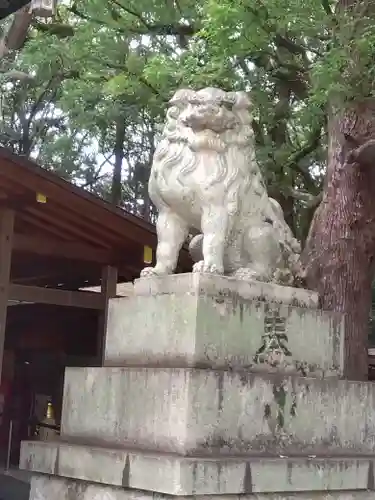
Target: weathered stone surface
<point>175,475</point>
<point>192,411</point>
<point>48,488</point>
<point>216,285</point>
<point>219,322</point>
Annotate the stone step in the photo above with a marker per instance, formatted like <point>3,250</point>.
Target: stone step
<point>172,475</point>
<point>48,488</point>
<point>206,321</point>
<point>191,411</point>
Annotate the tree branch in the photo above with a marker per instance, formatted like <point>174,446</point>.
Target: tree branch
<point>286,43</point>
<point>39,100</point>
<point>139,78</point>
<point>309,199</point>
<point>309,146</point>
<point>73,10</point>
<point>132,13</point>
<point>364,154</point>
<point>17,75</point>
<point>158,29</point>
<point>58,29</point>
<point>327,7</point>
<point>281,41</point>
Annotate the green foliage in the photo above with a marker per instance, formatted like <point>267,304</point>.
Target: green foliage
<point>123,59</point>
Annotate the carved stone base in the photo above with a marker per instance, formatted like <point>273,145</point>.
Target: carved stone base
<point>214,285</point>
<point>181,476</point>
<point>48,488</point>
<point>211,393</point>
<point>207,412</point>
<point>211,321</point>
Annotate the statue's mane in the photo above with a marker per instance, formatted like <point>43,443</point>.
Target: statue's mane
<point>233,159</point>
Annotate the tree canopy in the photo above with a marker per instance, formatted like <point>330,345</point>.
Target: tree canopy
<point>87,93</point>
<point>89,88</point>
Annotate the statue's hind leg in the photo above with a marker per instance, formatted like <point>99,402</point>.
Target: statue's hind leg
<point>264,254</point>
<point>172,232</point>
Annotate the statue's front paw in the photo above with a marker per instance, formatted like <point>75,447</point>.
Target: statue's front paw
<point>148,271</point>
<point>207,268</point>
<point>158,270</point>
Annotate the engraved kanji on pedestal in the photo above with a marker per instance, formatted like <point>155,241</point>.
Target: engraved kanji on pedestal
<point>274,350</point>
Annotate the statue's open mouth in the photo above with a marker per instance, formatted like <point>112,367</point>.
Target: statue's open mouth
<point>205,121</point>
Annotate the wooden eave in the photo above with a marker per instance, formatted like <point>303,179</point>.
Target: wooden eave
<point>60,221</point>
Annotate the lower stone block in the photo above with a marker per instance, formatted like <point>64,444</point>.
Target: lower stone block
<point>52,488</point>
<point>204,412</point>
<point>173,475</point>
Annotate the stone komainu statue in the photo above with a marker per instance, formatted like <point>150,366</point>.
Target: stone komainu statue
<point>205,176</point>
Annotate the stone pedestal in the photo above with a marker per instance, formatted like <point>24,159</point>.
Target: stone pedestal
<point>214,387</point>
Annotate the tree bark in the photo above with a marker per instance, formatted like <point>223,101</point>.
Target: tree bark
<point>340,249</point>
<point>16,35</point>
<point>116,191</point>
<point>146,209</point>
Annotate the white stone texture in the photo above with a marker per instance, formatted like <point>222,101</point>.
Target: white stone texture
<point>173,475</point>
<point>218,286</point>
<point>51,488</point>
<point>211,321</point>
<point>191,411</point>
<point>205,176</point>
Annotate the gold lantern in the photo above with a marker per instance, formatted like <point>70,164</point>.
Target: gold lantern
<point>43,8</point>
<point>46,433</point>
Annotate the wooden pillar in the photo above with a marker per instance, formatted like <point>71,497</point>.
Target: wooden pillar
<point>6,243</point>
<point>108,290</point>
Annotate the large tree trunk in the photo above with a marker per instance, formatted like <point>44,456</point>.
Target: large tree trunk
<point>116,190</point>
<point>340,249</point>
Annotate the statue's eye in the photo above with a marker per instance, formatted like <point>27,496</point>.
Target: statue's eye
<point>228,105</point>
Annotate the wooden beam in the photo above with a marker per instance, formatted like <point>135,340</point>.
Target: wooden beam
<point>60,271</point>
<point>39,227</point>
<point>64,249</point>
<point>6,236</point>
<point>108,291</point>
<point>76,200</point>
<point>72,230</point>
<point>41,295</point>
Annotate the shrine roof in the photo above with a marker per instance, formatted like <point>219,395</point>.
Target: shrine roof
<point>60,222</point>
